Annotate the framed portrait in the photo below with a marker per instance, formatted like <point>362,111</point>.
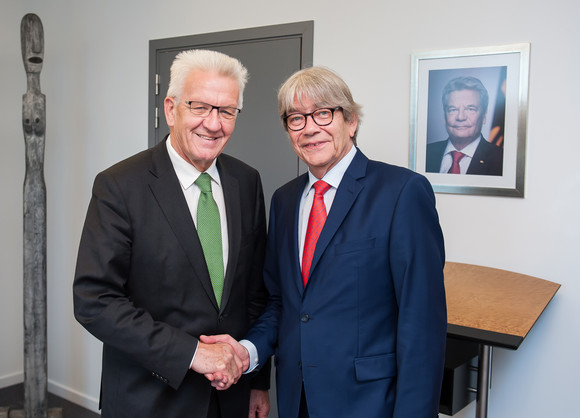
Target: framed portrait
<point>468,119</point>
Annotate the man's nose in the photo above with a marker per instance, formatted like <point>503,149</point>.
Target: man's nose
<point>213,121</point>
<point>461,114</point>
<point>310,126</point>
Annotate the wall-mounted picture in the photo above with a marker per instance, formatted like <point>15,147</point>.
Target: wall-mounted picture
<point>468,119</point>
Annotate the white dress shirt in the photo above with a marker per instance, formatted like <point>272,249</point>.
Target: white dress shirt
<point>187,175</point>
<point>447,159</point>
<point>333,177</point>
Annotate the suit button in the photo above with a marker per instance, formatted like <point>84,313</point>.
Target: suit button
<point>305,318</point>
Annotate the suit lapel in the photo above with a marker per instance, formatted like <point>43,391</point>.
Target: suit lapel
<point>164,185</point>
<point>346,195</point>
<point>290,222</point>
<point>479,161</point>
<point>232,199</point>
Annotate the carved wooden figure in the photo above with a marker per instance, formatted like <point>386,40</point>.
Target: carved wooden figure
<point>34,123</point>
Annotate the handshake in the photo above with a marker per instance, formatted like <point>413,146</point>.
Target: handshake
<point>221,359</point>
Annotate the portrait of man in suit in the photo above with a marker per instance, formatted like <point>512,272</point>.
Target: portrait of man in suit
<point>173,248</point>
<point>465,151</point>
<point>356,315</point>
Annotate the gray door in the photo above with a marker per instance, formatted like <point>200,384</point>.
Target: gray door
<point>271,54</point>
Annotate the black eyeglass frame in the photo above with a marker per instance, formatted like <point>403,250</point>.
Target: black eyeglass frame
<point>218,108</point>
<point>311,114</point>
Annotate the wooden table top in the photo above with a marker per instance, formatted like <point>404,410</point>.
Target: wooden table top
<point>492,306</point>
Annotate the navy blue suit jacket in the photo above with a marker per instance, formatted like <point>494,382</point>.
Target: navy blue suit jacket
<point>367,333</point>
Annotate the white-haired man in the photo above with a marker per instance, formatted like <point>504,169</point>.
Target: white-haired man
<point>148,282</point>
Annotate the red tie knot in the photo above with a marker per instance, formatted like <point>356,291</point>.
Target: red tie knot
<point>320,187</point>
<point>457,156</point>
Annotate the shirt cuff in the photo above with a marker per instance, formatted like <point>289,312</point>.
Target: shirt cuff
<point>194,353</point>
<point>253,352</point>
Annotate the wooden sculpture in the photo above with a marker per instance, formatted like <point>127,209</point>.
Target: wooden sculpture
<point>34,123</point>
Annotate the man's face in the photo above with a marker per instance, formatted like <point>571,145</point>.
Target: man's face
<point>200,140</point>
<point>464,117</point>
<point>321,147</point>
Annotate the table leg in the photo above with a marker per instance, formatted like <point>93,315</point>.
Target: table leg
<point>483,379</point>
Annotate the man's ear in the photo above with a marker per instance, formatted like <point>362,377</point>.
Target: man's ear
<point>352,125</point>
<point>169,108</point>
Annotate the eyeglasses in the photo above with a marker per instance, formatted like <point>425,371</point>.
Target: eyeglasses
<point>322,117</point>
<point>203,110</point>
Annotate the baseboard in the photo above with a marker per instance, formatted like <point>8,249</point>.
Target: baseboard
<point>57,389</point>
<point>11,379</point>
<point>74,396</point>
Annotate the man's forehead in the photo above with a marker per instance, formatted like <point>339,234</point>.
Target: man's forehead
<point>465,93</point>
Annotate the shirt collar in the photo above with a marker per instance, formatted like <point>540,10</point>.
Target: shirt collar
<point>469,150</point>
<point>334,176</point>
<point>186,172</point>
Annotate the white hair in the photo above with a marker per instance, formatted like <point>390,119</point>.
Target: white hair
<point>209,61</point>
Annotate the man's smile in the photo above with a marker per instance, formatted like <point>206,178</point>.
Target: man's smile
<point>314,144</point>
<point>208,138</point>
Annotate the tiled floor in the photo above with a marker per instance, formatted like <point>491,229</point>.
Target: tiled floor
<point>13,397</point>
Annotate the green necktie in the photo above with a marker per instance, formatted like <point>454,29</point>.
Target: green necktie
<point>210,235</point>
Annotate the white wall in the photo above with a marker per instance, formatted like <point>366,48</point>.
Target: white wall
<point>95,80</point>
<point>11,186</point>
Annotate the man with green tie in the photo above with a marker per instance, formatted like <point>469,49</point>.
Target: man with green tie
<point>173,248</point>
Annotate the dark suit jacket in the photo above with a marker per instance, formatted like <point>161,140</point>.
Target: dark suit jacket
<point>487,159</point>
<point>142,286</point>
<point>367,333</point>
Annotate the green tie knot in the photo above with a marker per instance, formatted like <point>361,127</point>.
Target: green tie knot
<point>204,183</point>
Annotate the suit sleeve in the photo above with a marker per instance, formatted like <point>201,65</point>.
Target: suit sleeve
<point>264,332</point>
<point>258,294</point>
<point>417,259</point>
<point>102,303</point>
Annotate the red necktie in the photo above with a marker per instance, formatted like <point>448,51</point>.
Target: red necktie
<point>457,156</point>
<point>316,221</point>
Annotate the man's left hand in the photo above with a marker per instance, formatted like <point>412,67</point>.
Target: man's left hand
<point>259,404</point>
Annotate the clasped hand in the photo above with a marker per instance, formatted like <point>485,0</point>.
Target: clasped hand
<point>221,359</point>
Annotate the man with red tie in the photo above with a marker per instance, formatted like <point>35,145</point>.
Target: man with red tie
<point>466,151</point>
<point>356,316</point>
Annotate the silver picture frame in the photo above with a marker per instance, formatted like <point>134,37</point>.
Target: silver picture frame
<point>504,71</point>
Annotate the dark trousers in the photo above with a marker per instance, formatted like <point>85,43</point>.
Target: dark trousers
<point>214,406</point>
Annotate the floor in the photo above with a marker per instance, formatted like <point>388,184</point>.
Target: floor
<point>13,398</point>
